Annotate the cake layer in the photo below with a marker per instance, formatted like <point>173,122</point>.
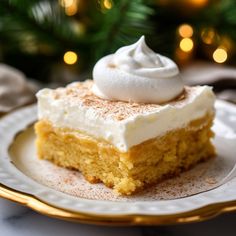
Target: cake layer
<point>145,163</point>
<point>123,124</point>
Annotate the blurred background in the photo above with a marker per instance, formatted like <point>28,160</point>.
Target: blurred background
<point>58,41</point>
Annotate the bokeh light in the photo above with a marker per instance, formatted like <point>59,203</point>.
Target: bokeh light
<point>185,31</point>
<point>70,57</point>
<point>199,3</point>
<point>227,43</point>
<point>66,3</point>
<point>71,6</point>
<point>220,55</point>
<point>208,35</point>
<point>72,10</point>
<point>186,44</point>
<point>107,4</point>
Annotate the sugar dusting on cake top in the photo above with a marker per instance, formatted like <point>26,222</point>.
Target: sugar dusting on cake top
<point>81,93</point>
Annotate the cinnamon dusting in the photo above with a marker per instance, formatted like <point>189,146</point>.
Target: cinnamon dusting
<point>81,93</point>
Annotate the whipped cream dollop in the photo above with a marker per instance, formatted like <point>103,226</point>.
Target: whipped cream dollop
<point>138,74</point>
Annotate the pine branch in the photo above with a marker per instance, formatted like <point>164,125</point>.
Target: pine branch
<point>44,21</point>
<point>220,16</point>
<point>122,25</point>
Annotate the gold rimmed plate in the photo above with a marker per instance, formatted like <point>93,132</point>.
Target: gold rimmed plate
<point>19,183</point>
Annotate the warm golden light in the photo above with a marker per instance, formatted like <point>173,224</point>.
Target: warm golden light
<point>71,6</point>
<point>208,36</point>
<point>66,3</point>
<point>199,3</point>
<point>72,10</point>
<point>185,31</point>
<point>182,57</point>
<point>186,44</point>
<point>107,4</point>
<point>226,43</point>
<point>220,55</point>
<point>70,57</point>
<point>78,27</point>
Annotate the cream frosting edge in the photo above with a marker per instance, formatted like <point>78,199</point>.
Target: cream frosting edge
<point>129,132</point>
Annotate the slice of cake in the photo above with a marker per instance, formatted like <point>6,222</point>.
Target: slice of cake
<point>122,133</point>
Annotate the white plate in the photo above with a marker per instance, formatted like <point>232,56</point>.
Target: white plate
<point>17,186</point>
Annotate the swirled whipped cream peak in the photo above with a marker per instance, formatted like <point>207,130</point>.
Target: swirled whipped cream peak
<point>138,74</point>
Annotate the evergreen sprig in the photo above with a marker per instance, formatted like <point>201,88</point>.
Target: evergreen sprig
<point>40,31</point>
<point>121,25</point>
<point>36,22</point>
<point>41,28</point>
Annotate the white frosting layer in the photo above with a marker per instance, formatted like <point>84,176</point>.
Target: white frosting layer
<point>136,73</point>
<point>123,134</point>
